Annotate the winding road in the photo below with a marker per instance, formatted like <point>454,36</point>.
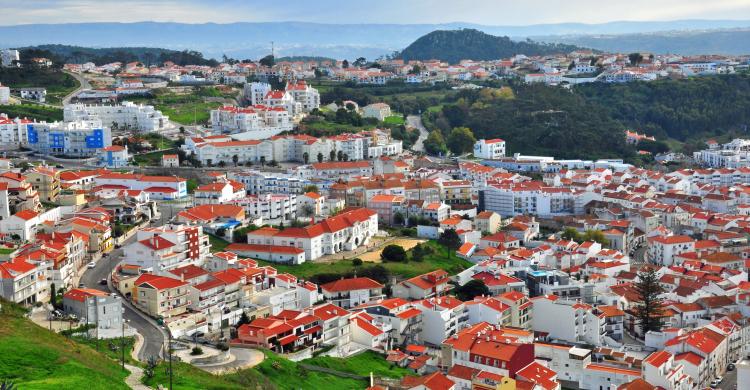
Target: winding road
<point>84,85</point>
<point>153,334</point>
<point>415,121</point>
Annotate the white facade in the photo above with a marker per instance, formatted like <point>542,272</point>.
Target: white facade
<point>251,123</point>
<point>127,115</point>
<point>82,138</point>
<point>489,149</point>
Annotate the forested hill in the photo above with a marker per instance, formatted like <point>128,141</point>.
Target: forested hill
<point>455,45</point>
<point>589,120</point>
<point>99,56</point>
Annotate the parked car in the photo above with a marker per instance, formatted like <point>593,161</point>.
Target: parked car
<point>730,366</point>
<point>91,265</point>
<point>715,383</point>
<point>81,285</point>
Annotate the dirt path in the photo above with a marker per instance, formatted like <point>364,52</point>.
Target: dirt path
<point>134,379</point>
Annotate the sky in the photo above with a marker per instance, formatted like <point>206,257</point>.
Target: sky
<point>488,12</point>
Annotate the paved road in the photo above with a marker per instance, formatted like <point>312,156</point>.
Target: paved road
<point>153,335</point>
<point>84,85</point>
<point>639,256</point>
<point>416,122</point>
<point>730,381</point>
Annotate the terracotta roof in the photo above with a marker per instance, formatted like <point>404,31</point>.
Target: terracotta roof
<point>351,284</point>
<point>80,294</point>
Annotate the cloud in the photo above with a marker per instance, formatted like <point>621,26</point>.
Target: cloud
<point>491,12</point>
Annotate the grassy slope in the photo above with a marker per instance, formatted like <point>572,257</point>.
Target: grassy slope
<point>35,358</point>
<point>32,111</point>
<point>442,258</point>
<point>361,364</point>
<point>290,376</point>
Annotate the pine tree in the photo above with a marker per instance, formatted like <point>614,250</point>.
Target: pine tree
<point>649,309</point>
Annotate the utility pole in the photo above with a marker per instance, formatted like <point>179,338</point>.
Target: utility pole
<point>122,344</point>
<point>169,350</point>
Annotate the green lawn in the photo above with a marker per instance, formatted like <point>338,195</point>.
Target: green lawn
<point>361,364</point>
<point>106,347</point>
<point>289,375</point>
<point>394,120</point>
<point>152,159</point>
<point>35,358</point>
<point>32,111</point>
<point>7,251</point>
<point>188,113</point>
<point>187,377</point>
<point>217,244</point>
<point>442,258</point>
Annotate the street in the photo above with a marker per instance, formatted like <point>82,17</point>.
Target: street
<point>153,335</point>
<point>415,121</point>
<point>730,380</point>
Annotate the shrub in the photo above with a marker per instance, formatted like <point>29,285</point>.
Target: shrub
<point>393,253</point>
<point>357,262</point>
<point>196,351</point>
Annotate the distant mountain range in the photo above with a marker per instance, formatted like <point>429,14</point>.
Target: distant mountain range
<point>253,40</point>
<point>454,45</point>
<point>725,41</point>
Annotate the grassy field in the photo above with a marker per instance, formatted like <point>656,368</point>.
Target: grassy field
<point>361,364</point>
<point>151,159</point>
<point>57,83</point>
<point>394,120</point>
<point>32,111</point>
<point>217,244</point>
<point>35,358</point>
<point>187,109</point>
<point>289,375</point>
<point>105,347</point>
<point>187,377</point>
<point>442,258</point>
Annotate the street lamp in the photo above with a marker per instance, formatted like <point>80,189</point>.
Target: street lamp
<point>122,343</point>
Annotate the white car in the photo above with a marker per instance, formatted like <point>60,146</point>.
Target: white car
<point>715,383</point>
<point>91,265</point>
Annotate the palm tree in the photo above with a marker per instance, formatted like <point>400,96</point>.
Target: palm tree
<point>305,157</point>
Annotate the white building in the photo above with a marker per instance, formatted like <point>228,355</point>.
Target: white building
<point>269,206</point>
<point>167,247</point>
<point>345,231</point>
<point>126,115</point>
<point>14,132</point>
<point>489,149</point>
<point>379,111</point>
<point>4,94</point>
<point>9,58</point>
<point>82,138</point>
<point>251,123</point>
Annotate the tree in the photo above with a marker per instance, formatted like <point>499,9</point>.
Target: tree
<point>310,188</point>
<point>306,157</point>
<point>235,159</point>
<point>346,157</point>
<point>450,239</point>
<point>273,163</point>
<point>416,69</point>
<point>393,253</point>
<point>307,210</point>
<point>53,296</point>
<point>345,64</point>
<point>222,163</point>
<point>471,289</point>
<point>332,156</point>
<point>435,144</point>
<point>268,61</point>
<point>461,140</point>
<point>339,155</point>
<point>320,157</point>
<point>635,58</point>
<point>263,161</point>
<point>398,218</point>
<point>361,61</point>
<point>649,308</point>
<point>244,319</point>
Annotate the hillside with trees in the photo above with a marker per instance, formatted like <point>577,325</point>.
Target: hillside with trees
<point>588,121</point>
<point>60,54</point>
<point>456,45</point>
